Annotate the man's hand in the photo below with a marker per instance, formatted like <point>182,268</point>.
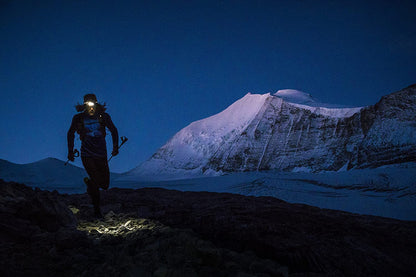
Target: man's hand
<point>71,156</point>
<point>115,152</point>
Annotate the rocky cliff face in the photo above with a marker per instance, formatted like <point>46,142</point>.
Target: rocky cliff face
<point>287,137</point>
<point>158,232</point>
<point>275,133</point>
<point>389,130</point>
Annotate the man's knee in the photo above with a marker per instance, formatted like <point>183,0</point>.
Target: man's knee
<point>104,182</point>
<point>92,187</point>
<point>105,185</point>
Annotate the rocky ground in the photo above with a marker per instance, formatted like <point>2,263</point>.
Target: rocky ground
<point>158,232</point>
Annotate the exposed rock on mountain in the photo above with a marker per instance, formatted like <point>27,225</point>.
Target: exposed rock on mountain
<point>158,232</point>
<point>389,130</point>
<point>290,131</point>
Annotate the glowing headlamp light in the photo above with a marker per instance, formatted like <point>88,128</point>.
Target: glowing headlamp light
<point>90,104</point>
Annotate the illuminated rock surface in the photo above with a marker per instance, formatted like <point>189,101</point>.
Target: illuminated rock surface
<point>158,232</point>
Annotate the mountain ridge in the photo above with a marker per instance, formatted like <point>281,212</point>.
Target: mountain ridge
<point>288,136</point>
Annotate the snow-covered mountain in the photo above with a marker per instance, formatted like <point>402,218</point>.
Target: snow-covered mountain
<point>290,131</point>
<point>49,174</point>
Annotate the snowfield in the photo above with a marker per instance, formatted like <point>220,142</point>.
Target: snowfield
<point>388,191</point>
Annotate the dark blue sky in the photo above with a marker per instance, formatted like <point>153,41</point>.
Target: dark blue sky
<point>160,65</point>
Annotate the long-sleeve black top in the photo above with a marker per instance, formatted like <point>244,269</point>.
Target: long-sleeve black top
<point>92,134</point>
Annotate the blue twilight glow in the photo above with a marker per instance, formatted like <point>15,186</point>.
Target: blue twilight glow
<point>160,65</point>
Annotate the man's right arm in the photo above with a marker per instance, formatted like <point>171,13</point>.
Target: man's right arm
<point>71,135</point>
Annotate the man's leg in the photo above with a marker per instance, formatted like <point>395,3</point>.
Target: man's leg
<point>103,176</point>
<point>93,170</point>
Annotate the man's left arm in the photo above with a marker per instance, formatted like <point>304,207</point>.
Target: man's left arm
<point>114,133</point>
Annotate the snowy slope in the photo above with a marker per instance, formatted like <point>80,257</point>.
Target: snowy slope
<point>202,137</point>
<point>388,191</point>
<point>190,149</point>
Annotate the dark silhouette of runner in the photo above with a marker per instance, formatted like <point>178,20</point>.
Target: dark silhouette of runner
<point>90,124</point>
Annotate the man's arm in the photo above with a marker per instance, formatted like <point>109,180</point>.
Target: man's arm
<point>70,138</point>
<point>114,133</point>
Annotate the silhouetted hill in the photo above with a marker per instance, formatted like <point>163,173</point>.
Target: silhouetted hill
<point>49,173</point>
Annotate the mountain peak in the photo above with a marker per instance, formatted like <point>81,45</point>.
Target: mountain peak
<point>289,131</point>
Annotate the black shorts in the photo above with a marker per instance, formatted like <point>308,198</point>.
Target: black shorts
<point>97,169</point>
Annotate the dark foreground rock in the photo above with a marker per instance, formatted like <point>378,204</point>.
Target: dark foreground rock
<point>43,236</point>
<point>158,232</point>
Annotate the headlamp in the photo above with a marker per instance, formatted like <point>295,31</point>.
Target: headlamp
<point>89,103</point>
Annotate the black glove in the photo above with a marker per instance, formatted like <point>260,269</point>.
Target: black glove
<point>71,156</point>
<point>115,152</point>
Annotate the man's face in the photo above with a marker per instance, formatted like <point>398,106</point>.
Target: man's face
<point>91,108</point>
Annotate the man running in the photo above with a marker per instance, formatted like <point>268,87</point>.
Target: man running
<point>90,124</point>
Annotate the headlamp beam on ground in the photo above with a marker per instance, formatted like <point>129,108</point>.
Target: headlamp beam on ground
<point>90,104</point>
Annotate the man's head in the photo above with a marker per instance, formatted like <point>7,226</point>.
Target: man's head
<point>90,102</point>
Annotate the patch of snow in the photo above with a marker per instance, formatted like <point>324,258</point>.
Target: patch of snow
<point>302,169</point>
<point>331,112</point>
<point>344,167</point>
<point>295,96</point>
